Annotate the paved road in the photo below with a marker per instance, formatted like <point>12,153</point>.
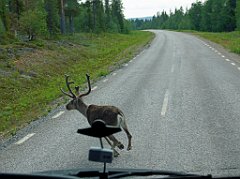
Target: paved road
<point>182,101</point>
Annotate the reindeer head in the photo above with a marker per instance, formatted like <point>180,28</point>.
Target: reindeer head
<point>76,98</point>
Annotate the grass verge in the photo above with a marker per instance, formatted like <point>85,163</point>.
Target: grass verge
<point>229,40</point>
<point>31,74</point>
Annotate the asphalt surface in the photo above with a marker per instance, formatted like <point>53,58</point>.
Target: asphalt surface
<point>181,98</point>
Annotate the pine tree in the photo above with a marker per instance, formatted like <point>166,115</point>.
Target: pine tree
<point>195,15</point>
<point>51,7</point>
<point>71,8</point>
<point>107,16</point>
<point>206,16</point>
<point>89,21</point>
<point>33,19</point>
<point>4,14</point>
<point>228,15</point>
<point>238,15</point>
<point>62,17</point>
<point>117,15</point>
<point>2,28</point>
<point>15,10</point>
<point>98,16</point>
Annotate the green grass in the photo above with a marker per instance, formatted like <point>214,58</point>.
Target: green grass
<point>25,99</point>
<point>229,40</point>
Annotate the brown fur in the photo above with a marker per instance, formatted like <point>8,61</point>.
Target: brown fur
<point>111,115</point>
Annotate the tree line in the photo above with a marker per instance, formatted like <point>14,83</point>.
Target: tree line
<point>53,17</point>
<point>210,16</point>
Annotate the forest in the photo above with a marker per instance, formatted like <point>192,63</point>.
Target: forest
<point>48,18</point>
<point>42,40</point>
<point>207,16</point>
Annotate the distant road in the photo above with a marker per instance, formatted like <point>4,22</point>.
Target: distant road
<point>182,101</point>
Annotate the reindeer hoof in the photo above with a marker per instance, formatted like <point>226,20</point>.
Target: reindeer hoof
<point>120,146</point>
<point>129,148</point>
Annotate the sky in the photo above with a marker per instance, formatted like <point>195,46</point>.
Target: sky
<point>145,8</point>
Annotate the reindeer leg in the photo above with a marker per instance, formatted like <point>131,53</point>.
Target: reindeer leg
<point>116,142</point>
<point>129,136</point>
<point>115,153</point>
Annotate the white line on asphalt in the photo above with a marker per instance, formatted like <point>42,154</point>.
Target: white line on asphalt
<point>227,60</point>
<point>105,80</point>
<point>114,74</point>
<point>25,138</point>
<point>172,70</point>
<point>238,68</point>
<point>126,65</point>
<point>233,64</point>
<point>130,61</point>
<point>58,114</point>
<point>219,53</point>
<point>223,56</point>
<point>165,104</point>
<point>94,88</point>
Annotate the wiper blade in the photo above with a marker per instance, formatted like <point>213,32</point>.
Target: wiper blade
<point>121,173</point>
<point>168,174</point>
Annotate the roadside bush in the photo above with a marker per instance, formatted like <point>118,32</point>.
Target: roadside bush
<point>33,23</point>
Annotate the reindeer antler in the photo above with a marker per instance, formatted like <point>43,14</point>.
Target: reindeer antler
<point>71,95</point>
<point>89,87</point>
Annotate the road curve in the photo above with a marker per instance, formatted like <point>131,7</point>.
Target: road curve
<point>181,98</point>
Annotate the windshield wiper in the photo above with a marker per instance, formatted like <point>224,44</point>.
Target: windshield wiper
<point>121,173</point>
<point>169,174</point>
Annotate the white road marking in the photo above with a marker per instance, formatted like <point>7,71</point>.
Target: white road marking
<point>134,58</point>
<point>130,61</point>
<point>126,65</point>
<point>25,138</point>
<point>58,114</point>
<point>227,60</point>
<point>114,74</point>
<point>172,70</point>
<point>223,56</point>
<point>165,104</point>
<point>105,80</point>
<point>219,53</point>
<point>238,68</point>
<point>233,64</point>
<point>94,88</point>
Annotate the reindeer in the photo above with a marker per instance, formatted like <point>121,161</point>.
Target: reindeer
<point>111,115</point>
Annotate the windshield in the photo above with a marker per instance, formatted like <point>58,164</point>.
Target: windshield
<point>166,72</point>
